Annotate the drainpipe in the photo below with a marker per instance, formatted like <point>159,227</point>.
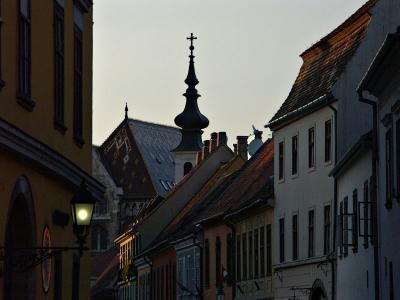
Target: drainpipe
<point>233,229</point>
<point>374,187</point>
<point>200,247</point>
<point>332,258</point>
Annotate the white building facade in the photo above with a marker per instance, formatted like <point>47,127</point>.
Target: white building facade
<point>355,252</point>
<point>303,209</point>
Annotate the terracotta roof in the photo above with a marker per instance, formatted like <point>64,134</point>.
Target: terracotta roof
<point>323,63</point>
<point>254,180</point>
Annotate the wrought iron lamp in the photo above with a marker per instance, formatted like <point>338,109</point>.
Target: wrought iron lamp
<point>82,207</point>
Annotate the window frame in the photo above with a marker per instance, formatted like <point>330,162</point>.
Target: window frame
<point>78,86</point>
<point>311,233</point>
<point>256,254</point>
<point>328,141</point>
<point>244,256</point>
<point>269,249</point>
<point>355,221</point>
<point>25,57</point>
<point>2,83</point>
<point>295,155</point>
<point>218,260</point>
<point>59,67</point>
<point>262,251</point>
<point>206,263</point>
<point>327,228</point>
<point>295,237</point>
<point>388,168</point>
<point>311,148</point>
<point>282,240</point>
<point>238,258</point>
<point>281,161</point>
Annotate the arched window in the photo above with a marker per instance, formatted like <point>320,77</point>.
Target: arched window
<point>99,239</point>
<point>187,167</point>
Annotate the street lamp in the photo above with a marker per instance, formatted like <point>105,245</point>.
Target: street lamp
<point>82,207</point>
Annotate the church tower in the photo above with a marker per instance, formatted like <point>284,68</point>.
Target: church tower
<point>191,122</point>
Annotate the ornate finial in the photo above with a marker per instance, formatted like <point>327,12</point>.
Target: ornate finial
<point>191,38</point>
<point>126,110</point>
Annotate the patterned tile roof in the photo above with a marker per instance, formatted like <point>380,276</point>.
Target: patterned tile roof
<point>324,62</point>
<point>155,143</point>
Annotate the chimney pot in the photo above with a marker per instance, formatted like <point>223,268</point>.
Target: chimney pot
<point>213,141</point>
<point>198,157</point>
<point>205,150</point>
<point>222,138</point>
<point>242,146</point>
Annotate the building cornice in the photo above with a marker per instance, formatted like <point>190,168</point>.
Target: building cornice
<point>40,155</point>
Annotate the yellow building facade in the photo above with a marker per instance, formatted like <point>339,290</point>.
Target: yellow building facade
<point>45,144</point>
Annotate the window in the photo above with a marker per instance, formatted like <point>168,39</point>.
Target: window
<point>217,261</point>
<point>238,259</point>
<point>328,140</point>
<point>269,250</point>
<point>295,237</point>
<point>99,239</point>
<point>229,256</point>
<point>250,255</point>
<point>294,154</point>
<point>355,221</point>
<point>366,214</point>
<point>207,263</point>
<point>262,251</point>
<point>341,226</point>
<point>187,167</point>
<point>281,240</point>
<point>311,233</point>
<point>78,86</point>
<point>345,227</point>
<point>59,65</point>
<point>311,147</point>
<point>256,261</point>
<point>389,178</point>
<point>244,260</point>
<point>391,282</point>
<point>24,85</point>
<point>398,156</point>
<point>281,160</point>
<point>327,229</point>
<point>1,56</point>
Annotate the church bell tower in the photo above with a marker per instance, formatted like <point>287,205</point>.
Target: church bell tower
<point>191,122</point>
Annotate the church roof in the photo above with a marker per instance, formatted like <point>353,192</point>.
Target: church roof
<point>323,63</point>
<point>155,143</point>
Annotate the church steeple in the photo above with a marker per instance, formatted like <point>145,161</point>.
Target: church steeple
<point>191,121</point>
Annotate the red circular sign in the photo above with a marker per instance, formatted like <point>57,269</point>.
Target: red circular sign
<point>46,264</point>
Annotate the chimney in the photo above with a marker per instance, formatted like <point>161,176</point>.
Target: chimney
<point>213,142</point>
<point>235,148</point>
<point>222,138</point>
<point>198,157</point>
<point>242,146</point>
<point>205,150</point>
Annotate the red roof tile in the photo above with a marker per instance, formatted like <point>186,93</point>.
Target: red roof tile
<point>325,61</point>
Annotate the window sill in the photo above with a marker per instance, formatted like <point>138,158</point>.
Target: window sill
<point>312,169</point>
<point>294,176</point>
<point>26,102</point>
<point>327,163</point>
<point>79,141</point>
<point>60,127</point>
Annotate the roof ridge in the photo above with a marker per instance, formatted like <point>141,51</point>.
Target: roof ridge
<point>153,123</point>
<point>352,18</point>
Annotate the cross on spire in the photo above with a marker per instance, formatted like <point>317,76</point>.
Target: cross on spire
<point>191,38</point>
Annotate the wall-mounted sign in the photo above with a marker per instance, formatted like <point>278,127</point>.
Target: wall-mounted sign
<point>46,264</point>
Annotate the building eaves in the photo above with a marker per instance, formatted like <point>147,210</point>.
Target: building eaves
<point>361,146</point>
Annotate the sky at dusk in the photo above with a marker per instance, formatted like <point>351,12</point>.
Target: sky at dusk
<point>247,58</point>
